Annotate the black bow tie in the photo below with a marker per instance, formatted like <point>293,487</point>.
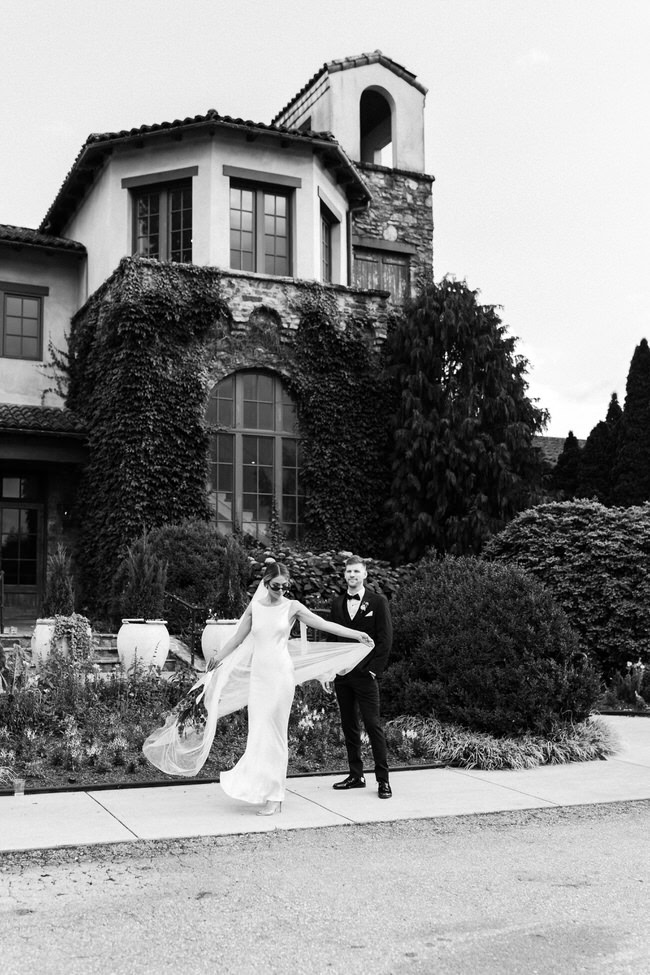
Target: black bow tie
<point>356,596</point>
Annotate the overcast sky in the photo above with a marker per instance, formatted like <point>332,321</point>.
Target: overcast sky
<point>537,134</point>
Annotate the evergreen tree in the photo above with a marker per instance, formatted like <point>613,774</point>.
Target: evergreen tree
<point>631,474</point>
<point>566,472</point>
<point>463,462</point>
<point>599,455</point>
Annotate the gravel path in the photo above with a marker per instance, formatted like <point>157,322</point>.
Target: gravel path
<point>544,891</point>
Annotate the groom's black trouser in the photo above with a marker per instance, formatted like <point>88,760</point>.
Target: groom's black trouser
<point>361,694</point>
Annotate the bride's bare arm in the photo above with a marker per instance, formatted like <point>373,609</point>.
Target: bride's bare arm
<point>238,637</point>
<point>311,619</point>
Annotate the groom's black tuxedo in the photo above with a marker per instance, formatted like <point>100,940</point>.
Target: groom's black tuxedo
<point>373,618</point>
<point>358,691</point>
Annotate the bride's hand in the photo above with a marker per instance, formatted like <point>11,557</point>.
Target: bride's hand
<point>213,664</point>
<point>368,640</point>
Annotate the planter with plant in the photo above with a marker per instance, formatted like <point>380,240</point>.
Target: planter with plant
<point>139,588</point>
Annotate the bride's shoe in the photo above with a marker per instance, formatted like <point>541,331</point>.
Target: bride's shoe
<point>270,809</point>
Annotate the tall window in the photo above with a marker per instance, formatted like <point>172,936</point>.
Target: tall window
<point>260,228</point>
<point>21,309</point>
<point>382,271</point>
<point>325,246</point>
<point>162,222</point>
<point>20,521</point>
<point>254,455</point>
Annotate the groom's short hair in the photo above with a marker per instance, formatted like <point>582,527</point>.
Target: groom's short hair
<point>356,560</point>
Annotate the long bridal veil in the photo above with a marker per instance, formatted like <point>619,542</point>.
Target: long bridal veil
<point>182,747</point>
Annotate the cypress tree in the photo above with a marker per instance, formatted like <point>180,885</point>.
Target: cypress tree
<point>566,472</point>
<point>463,461</point>
<point>599,455</point>
<point>631,474</point>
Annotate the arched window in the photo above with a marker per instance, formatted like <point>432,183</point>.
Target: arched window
<point>376,128</point>
<point>254,455</point>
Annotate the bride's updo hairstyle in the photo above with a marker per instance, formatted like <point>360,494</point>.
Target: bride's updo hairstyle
<point>274,570</point>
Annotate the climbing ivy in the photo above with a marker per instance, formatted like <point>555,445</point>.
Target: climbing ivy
<point>137,377</point>
<point>337,379</point>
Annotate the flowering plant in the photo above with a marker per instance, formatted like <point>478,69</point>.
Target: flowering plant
<point>363,607</point>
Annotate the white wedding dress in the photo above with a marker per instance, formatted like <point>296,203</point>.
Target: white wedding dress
<point>261,673</point>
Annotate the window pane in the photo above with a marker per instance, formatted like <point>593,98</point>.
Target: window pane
<point>27,572</point>
<point>11,487</point>
<point>265,451</point>
<point>21,327</point>
<point>179,220</point>
<point>242,219</point>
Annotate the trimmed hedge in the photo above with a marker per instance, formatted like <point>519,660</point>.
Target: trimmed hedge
<point>486,646</point>
<point>596,563</point>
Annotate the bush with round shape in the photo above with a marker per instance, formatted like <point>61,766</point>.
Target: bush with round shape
<point>485,645</point>
<point>204,568</point>
<point>595,561</point>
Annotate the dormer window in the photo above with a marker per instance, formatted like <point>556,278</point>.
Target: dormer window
<point>162,215</point>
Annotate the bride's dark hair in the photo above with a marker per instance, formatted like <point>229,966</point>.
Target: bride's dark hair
<point>274,570</point>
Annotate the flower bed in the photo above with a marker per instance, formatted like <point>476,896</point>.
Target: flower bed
<point>71,726</point>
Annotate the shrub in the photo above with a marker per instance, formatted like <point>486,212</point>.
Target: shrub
<point>139,582</point>
<point>485,646</point>
<point>59,588</point>
<point>596,563</point>
<point>204,568</point>
<point>318,577</point>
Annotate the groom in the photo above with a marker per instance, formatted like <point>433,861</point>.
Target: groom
<point>358,692</point>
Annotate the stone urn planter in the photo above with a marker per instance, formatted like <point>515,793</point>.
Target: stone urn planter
<point>216,634</point>
<point>146,641</point>
<point>41,641</point>
<point>67,633</point>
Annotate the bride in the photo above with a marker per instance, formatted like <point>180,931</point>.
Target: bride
<point>259,667</point>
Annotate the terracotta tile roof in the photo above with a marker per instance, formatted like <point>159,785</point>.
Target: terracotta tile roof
<point>551,447</point>
<point>355,61</point>
<point>99,145</point>
<point>35,238</point>
<point>39,419</point>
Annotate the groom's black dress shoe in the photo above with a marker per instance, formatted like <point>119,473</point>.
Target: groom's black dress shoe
<point>384,791</point>
<point>352,782</point>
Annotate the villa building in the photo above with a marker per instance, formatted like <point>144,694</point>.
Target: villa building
<point>332,190</point>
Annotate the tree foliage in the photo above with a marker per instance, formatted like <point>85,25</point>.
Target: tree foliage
<point>463,461</point>
<point>566,472</point>
<point>631,475</point>
<point>595,561</point>
<point>598,456</point>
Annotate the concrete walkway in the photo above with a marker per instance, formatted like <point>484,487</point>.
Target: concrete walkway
<point>50,820</point>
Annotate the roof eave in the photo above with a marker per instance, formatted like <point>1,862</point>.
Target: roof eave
<point>103,148</point>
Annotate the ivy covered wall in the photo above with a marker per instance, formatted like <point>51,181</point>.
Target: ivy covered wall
<point>143,354</point>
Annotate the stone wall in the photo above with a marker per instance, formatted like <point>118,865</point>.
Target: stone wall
<point>401,211</point>
<point>256,296</point>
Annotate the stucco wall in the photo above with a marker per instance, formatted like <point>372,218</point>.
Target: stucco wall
<point>22,381</point>
<point>104,223</point>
